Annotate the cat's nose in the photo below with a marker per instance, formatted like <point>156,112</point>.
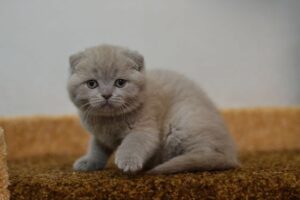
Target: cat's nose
<point>106,96</point>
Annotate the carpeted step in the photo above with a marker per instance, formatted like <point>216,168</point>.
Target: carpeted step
<point>264,175</point>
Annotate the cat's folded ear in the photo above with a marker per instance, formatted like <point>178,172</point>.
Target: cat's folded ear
<point>137,58</point>
<point>74,60</point>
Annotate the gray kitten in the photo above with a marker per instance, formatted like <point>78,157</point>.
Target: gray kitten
<point>158,121</point>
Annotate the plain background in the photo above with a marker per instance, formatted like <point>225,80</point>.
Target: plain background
<point>244,53</point>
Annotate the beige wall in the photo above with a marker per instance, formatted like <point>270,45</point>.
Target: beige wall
<point>244,53</point>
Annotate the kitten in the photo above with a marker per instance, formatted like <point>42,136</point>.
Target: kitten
<point>158,120</point>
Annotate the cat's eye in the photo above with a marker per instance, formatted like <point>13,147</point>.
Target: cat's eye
<point>120,83</point>
<point>92,84</point>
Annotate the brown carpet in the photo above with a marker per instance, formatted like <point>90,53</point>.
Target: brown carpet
<point>41,151</point>
<point>264,175</point>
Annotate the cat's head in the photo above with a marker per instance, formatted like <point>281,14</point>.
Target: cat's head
<point>106,80</point>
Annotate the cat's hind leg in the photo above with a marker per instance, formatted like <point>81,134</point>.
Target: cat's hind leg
<point>195,161</point>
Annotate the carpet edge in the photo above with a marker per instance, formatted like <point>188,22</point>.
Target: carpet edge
<point>4,193</point>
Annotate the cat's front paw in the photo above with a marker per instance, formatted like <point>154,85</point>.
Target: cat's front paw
<point>86,163</point>
<point>129,163</point>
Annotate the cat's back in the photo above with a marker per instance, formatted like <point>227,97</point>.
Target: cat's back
<point>167,80</point>
<point>173,85</point>
<point>172,92</point>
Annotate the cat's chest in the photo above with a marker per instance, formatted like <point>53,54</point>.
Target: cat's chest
<point>110,133</point>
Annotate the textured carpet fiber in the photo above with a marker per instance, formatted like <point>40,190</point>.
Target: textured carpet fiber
<point>272,175</point>
<point>4,194</point>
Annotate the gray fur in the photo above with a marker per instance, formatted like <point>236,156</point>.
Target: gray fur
<point>159,120</point>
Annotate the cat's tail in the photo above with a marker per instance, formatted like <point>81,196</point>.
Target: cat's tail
<point>195,162</point>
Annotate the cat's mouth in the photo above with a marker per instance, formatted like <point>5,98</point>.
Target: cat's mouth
<point>106,104</point>
<point>110,107</point>
<point>103,106</point>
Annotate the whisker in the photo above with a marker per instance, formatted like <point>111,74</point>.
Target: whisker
<point>84,105</point>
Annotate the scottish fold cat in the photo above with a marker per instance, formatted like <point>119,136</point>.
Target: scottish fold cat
<point>156,121</point>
